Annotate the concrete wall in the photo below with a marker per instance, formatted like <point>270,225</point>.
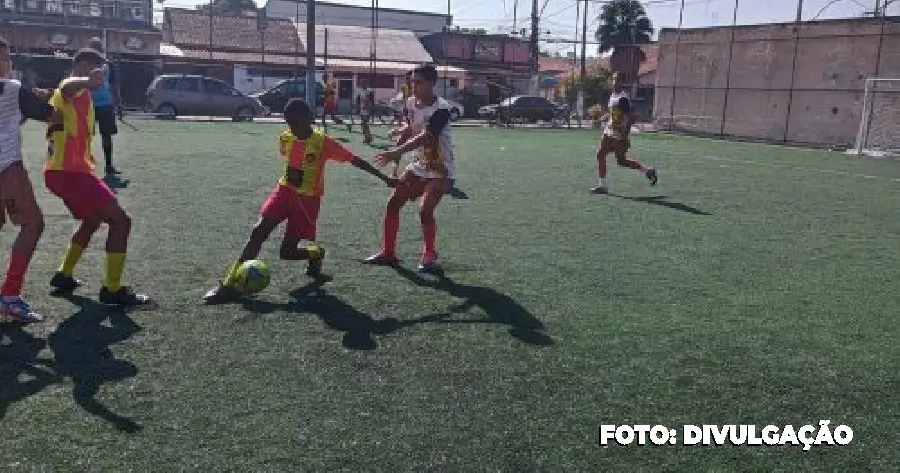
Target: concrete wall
<point>748,81</point>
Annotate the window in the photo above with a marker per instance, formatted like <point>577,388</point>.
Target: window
<point>167,84</point>
<point>8,4</point>
<point>53,6</point>
<point>215,87</point>
<point>188,85</point>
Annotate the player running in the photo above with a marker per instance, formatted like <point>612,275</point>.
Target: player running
<point>296,198</point>
<point>427,176</point>
<point>17,103</point>
<point>615,137</point>
<point>69,174</point>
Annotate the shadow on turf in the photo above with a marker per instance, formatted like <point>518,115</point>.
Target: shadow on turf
<point>360,328</point>
<point>661,201</point>
<point>80,346</point>
<point>19,356</point>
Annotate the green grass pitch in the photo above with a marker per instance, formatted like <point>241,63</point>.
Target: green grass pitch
<point>754,285</point>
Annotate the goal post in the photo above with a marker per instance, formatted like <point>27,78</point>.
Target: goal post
<point>879,125</point>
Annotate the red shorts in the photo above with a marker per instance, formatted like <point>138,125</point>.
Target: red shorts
<point>414,186</point>
<point>84,194</point>
<point>301,211</point>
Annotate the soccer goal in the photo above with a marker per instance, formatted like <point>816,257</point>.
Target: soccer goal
<point>879,126</point>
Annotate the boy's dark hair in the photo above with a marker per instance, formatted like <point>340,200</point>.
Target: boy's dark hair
<point>297,108</point>
<point>427,72</point>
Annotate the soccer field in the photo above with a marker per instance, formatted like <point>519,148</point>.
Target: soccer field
<point>754,285</point>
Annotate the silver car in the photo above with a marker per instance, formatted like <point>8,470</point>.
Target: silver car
<point>171,95</point>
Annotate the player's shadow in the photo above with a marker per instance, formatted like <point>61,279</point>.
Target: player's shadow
<point>499,308</point>
<point>115,182</point>
<point>457,193</point>
<point>19,358</point>
<point>661,201</point>
<point>81,347</point>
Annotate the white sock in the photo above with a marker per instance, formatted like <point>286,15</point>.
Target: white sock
<point>601,182</point>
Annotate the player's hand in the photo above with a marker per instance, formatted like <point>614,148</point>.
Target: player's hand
<point>42,94</point>
<point>386,157</point>
<point>392,182</point>
<point>95,78</point>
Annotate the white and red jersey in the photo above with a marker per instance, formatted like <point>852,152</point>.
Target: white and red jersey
<point>434,159</point>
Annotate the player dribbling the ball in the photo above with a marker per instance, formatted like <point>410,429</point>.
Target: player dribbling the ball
<point>296,198</point>
<point>615,137</point>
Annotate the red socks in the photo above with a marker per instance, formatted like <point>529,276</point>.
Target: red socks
<point>15,274</point>
<point>633,164</point>
<point>389,238</point>
<point>429,235</point>
<point>601,167</point>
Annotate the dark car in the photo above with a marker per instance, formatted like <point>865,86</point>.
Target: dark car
<point>278,96</point>
<point>529,108</point>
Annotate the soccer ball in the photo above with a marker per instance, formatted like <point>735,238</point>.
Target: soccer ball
<point>253,276</point>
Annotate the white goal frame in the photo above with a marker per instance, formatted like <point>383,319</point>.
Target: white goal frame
<point>863,144</point>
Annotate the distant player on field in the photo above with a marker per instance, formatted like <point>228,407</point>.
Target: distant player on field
<point>615,138</point>
<point>16,193</point>
<point>403,130</point>
<point>296,198</point>
<point>69,174</point>
<point>107,107</point>
<point>428,176</point>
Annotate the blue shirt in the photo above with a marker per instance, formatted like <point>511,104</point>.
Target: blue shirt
<point>103,97</point>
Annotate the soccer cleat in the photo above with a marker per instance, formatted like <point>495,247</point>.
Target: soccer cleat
<point>316,257</point>
<point>652,176</point>
<point>221,293</point>
<point>125,296</point>
<point>16,309</point>
<point>64,283</point>
<point>429,264</point>
<point>381,259</point>
<point>600,190</point>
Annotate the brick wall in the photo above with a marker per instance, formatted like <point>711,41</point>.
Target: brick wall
<point>775,82</point>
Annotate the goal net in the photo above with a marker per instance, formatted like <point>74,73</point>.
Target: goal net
<point>879,127</point>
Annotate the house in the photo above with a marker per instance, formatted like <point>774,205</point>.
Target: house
<point>327,13</point>
<point>497,65</point>
<point>44,35</point>
<point>250,52</point>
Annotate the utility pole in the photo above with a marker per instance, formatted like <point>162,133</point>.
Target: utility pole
<point>535,36</point>
<point>584,25</point>
<point>311,53</point>
<point>799,11</point>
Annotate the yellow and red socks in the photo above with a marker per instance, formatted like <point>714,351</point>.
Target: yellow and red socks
<point>15,274</point>
<point>231,276</point>
<point>115,266</point>
<point>73,254</point>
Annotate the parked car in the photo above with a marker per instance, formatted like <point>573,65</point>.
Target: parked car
<point>530,108</point>
<point>278,96</point>
<point>171,95</point>
<point>456,110</point>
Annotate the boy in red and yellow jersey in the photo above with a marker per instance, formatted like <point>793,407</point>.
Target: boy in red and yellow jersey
<point>69,174</point>
<point>296,198</point>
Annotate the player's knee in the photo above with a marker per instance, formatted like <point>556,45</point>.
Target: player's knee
<point>622,161</point>
<point>426,214</point>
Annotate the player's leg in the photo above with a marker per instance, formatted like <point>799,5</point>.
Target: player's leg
<point>106,125</point>
<point>605,147</point>
<point>226,289</point>
<point>303,216</point>
<point>367,131</point>
<point>623,160</point>
<point>431,197</point>
<point>17,195</point>
<point>69,186</point>
<point>117,219</point>
<point>409,187</point>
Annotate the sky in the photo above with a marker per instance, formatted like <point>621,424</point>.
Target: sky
<point>558,18</point>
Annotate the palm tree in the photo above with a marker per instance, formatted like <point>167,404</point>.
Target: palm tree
<point>624,25</point>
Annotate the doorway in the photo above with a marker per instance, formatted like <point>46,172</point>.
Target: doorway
<point>345,95</point>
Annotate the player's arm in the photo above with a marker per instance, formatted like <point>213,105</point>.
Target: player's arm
<point>69,87</point>
<point>33,108</point>
<point>360,163</point>
<point>439,120</point>
<point>338,152</point>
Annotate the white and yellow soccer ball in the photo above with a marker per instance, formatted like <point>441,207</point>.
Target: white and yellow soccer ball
<point>253,276</point>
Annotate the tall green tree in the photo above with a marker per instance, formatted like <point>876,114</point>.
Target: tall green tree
<point>624,26</point>
<point>622,23</point>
